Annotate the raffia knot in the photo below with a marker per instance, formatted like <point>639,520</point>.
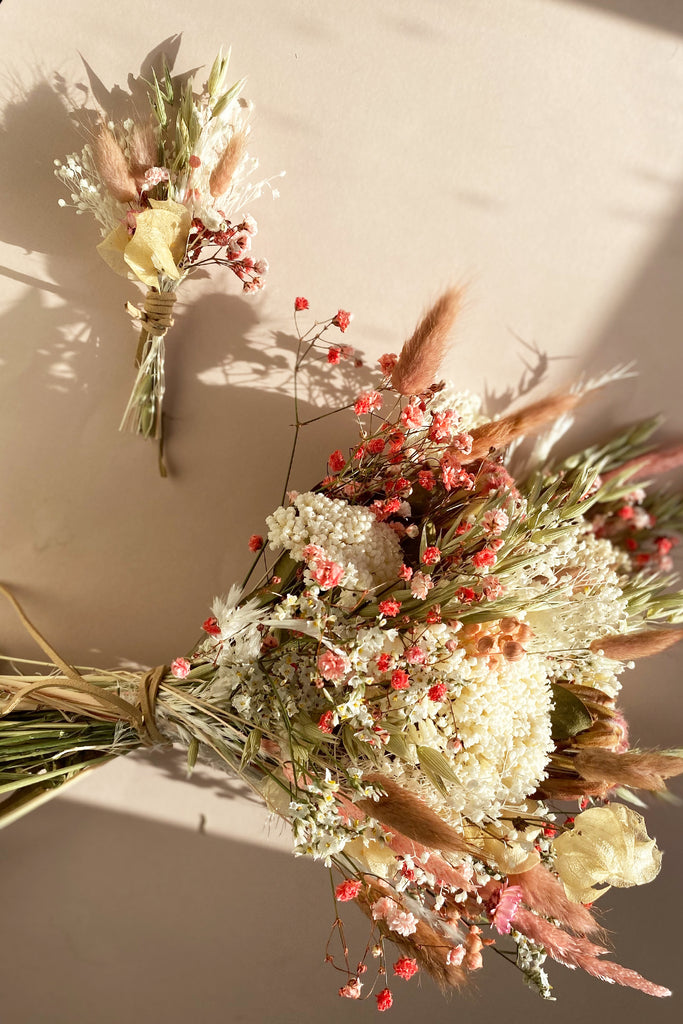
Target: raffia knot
<point>147,694</point>
<point>156,315</point>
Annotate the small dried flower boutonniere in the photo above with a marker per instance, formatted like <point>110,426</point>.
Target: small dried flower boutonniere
<point>168,192</point>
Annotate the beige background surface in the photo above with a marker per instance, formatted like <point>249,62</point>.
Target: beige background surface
<point>532,147</point>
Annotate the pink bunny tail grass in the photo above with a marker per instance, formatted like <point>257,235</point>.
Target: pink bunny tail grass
<point>432,862</point>
<point>654,464</point>
<point>640,770</point>
<point>545,894</point>
<point>422,355</point>
<point>112,167</point>
<point>528,421</point>
<point>637,645</point>
<point>224,171</point>
<point>142,150</point>
<point>572,951</point>
<point>405,812</point>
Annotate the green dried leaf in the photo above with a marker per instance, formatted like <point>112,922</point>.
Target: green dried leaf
<point>437,763</point>
<point>569,715</point>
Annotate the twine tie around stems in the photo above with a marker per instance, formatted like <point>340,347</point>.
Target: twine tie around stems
<point>156,317</point>
<point>139,715</point>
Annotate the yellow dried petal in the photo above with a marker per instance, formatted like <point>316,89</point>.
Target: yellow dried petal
<point>607,846</point>
<point>157,247</point>
<point>112,249</point>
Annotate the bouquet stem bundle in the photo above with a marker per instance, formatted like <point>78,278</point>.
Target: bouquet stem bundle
<point>424,683</point>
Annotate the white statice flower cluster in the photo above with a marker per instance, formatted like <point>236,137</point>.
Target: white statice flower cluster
<point>368,551</point>
<point>88,194</point>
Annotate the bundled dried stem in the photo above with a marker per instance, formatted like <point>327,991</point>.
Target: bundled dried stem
<point>224,171</point>
<point>421,356</point>
<point>112,167</point>
<point>528,421</point>
<point>643,644</point>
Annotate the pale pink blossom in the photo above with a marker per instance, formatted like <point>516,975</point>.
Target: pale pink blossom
<point>420,585</point>
<point>503,915</point>
<point>412,416</point>
<point>180,668</point>
<point>495,521</point>
<point>332,666</point>
<point>352,989</point>
<point>455,956</point>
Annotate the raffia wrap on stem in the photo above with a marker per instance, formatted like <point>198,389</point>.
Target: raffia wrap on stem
<point>99,703</point>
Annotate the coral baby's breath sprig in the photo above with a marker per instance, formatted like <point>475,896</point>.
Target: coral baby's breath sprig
<point>169,194</point>
<point>425,681</point>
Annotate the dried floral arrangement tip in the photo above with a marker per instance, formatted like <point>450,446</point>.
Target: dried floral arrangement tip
<point>425,681</point>
<point>168,192</point>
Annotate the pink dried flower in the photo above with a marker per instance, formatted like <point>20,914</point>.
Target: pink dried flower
<point>434,615</point>
<point>426,479</point>
<point>416,656</point>
<point>400,680</point>
<point>342,320</point>
<point>494,521</point>
<point>485,557</point>
<point>390,608</point>
<point>412,416</point>
<point>211,626</point>
<point>180,668</point>
<point>420,585</point>
<point>326,721</point>
<point>337,461</point>
<point>508,902</point>
<point>332,666</point>
<point>255,542</point>
<point>442,426</point>
<point>405,572</point>
<point>492,588</point>
<point>369,401</point>
<point>437,692</point>
<point>194,162</point>
<point>406,967</point>
<point>384,662</point>
<point>456,955</point>
<point>384,1000</point>
<point>334,356</point>
<point>453,475</point>
<point>352,989</point>
<point>300,303</point>
<point>326,573</point>
<point>376,445</point>
<point>431,556</point>
<point>348,890</point>
<point>463,443</point>
<point>387,362</point>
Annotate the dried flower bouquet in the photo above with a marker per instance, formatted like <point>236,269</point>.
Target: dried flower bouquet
<point>166,192</point>
<point>424,683</point>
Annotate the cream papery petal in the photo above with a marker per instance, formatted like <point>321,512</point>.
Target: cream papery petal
<point>150,251</point>
<point>182,221</point>
<point>607,846</point>
<point>112,249</point>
